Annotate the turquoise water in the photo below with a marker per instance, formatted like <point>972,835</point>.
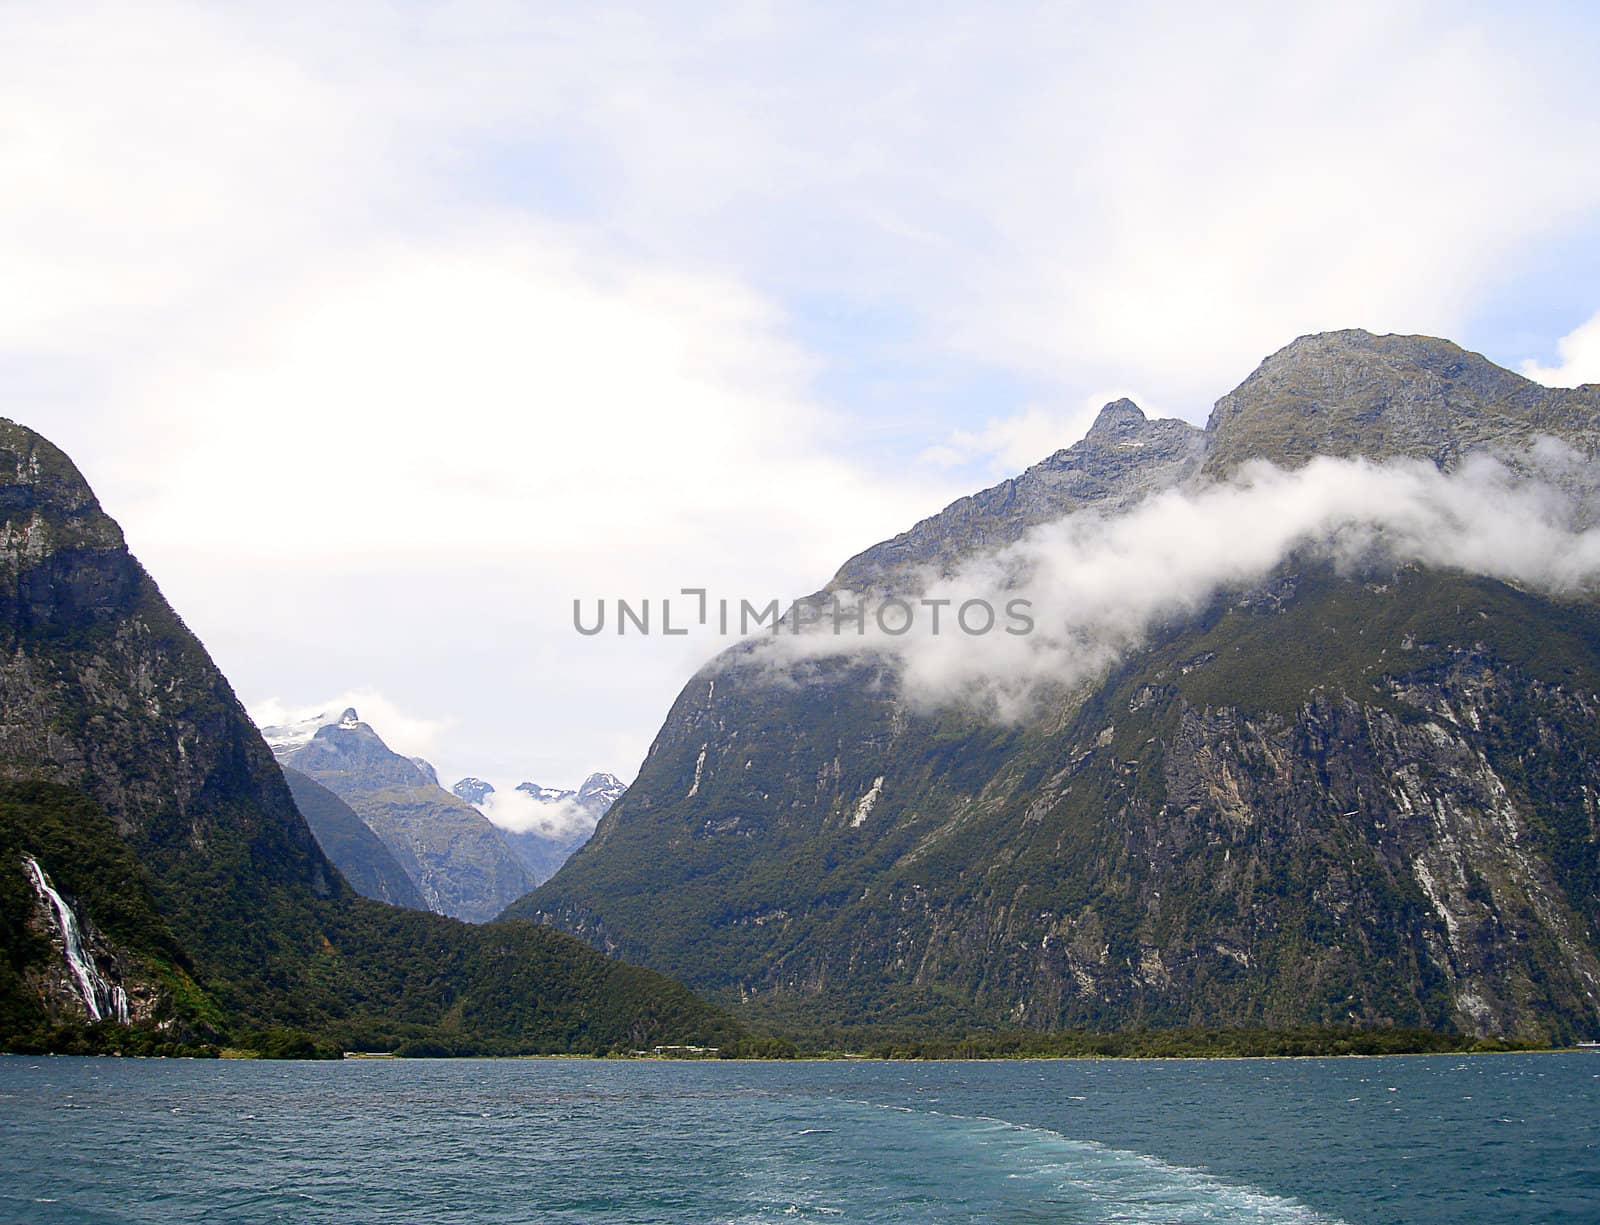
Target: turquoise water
<point>1492,1138</point>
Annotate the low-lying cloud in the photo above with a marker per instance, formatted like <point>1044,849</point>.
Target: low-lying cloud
<point>1100,585</point>
<point>521,812</point>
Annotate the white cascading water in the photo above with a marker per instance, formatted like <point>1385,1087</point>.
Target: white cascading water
<point>103,999</point>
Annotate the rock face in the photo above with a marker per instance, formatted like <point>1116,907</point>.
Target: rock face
<point>1352,393</point>
<point>356,851</point>
<point>457,860</point>
<point>1335,798</point>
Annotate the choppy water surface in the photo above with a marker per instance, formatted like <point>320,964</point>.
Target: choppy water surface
<point>1491,1138</point>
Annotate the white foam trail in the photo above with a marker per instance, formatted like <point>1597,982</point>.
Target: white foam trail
<point>1131,1186</point>
<point>101,997</point>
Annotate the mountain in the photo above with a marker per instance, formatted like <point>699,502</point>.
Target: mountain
<point>473,790</point>
<point>152,856</point>
<point>1352,393</point>
<point>450,851</point>
<point>599,792</point>
<point>545,795</point>
<point>1123,458</point>
<point>594,795</point>
<point>1344,792</point>
<point>358,853</point>
<point>542,850</point>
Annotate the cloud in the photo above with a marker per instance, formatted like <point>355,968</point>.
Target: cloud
<point>1580,358</point>
<point>1097,587</point>
<point>522,813</point>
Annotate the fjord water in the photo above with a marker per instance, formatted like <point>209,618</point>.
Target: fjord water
<point>1490,1138</point>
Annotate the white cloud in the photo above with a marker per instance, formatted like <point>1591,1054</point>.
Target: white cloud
<point>521,813</point>
<point>1580,358</point>
<point>1175,214</point>
<point>1096,587</point>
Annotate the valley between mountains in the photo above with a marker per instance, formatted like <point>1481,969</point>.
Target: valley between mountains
<point>1308,735</point>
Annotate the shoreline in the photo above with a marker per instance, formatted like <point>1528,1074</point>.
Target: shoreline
<point>381,1057</point>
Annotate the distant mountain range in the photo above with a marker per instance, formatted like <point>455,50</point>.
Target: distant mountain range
<point>452,854</point>
<point>1345,789</point>
<point>456,859</point>
<point>596,793</point>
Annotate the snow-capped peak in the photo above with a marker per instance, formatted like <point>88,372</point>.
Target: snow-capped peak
<point>473,790</point>
<point>601,787</point>
<point>286,737</point>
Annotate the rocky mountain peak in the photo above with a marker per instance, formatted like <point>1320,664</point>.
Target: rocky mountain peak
<point>450,851</point>
<point>473,790</point>
<point>605,787</point>
<point>1117,420</point>
<point>1124,457</point>
<point>349,751</point>
<point>46,504</point>
<point>1383,397</point>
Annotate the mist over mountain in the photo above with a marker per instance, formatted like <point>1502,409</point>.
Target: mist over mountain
<point>543,826</point>
<point>1304,733</point>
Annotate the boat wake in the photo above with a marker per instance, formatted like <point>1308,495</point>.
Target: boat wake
<point>1067,1179</point>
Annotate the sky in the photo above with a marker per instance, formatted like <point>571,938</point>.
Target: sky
<point>388,331</point>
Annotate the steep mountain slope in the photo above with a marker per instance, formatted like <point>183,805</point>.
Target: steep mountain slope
<point>112,706</point>
<point>358,853</point>
<point>456,858</point>
<point>1331,797</point>
<point>59,966</point>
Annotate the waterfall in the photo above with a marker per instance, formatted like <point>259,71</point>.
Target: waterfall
<point>104,999</point>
